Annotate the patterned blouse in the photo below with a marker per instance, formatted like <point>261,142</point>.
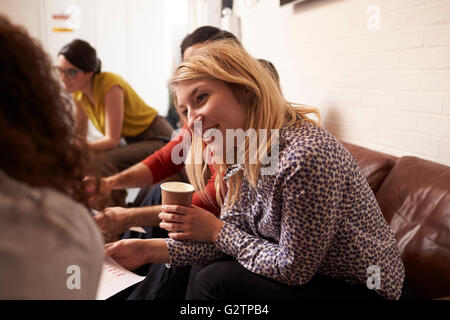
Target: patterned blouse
<point>315,214</point>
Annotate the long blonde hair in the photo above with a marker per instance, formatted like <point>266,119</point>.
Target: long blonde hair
<point>255,88</point>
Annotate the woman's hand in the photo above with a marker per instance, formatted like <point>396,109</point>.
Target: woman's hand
<point>133,253</point>
<point>129,253</point>
<point>113,221</point>
<point>190,223</point>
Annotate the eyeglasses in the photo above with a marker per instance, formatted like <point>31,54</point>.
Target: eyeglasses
<point>69,72</point>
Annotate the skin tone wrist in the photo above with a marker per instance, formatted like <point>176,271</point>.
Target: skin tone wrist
<point>158,253</point>
<point>103,144</point>
<point>110,182</point>
<point>145,216</point>
<point>128,219</point>
<point>148,216</point>
<point>137,176</point>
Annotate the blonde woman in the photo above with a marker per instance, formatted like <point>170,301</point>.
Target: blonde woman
<point>311,228</point>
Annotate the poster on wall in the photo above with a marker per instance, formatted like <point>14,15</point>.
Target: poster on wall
<point>65,20</point>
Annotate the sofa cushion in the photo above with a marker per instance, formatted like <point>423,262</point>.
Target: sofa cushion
<point>374,165</point>
<point>415,200</point>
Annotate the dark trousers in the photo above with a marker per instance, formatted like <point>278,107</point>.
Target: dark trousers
<point>137,149</point>
<point>160,282</point>
<point>230,280</point>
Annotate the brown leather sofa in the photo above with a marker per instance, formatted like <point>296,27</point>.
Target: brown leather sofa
<point>414,196</point>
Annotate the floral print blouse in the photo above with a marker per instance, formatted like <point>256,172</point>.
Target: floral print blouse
<point>315,214</point>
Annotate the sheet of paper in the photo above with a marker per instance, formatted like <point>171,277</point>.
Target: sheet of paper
<point>114,279</point>
<point>137,229</point>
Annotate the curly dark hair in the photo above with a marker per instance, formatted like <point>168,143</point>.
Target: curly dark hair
<point>39,144</point>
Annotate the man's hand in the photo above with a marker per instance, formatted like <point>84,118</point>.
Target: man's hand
<point>100,190</point>
<point>113,221</point>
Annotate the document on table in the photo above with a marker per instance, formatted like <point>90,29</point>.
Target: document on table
<point>137,229</point>
<point>114,279</point>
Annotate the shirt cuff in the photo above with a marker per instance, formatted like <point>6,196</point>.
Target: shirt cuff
<point>172,247</point>
<point>184,253</point>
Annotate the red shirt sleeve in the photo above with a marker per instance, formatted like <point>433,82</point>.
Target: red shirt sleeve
<point>161,165</point>
<point>160,162</point>
<point>211,191</point>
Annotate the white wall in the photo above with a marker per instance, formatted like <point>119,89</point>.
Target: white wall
<point>129,37</point>
<point>387,89</point>
<point>26,13</point>
<point>133,38</point>
<point>204,12</point>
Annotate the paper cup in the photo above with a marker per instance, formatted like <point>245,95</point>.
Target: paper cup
<point>177,193</point>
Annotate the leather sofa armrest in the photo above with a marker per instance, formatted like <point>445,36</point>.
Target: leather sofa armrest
<point>415,200</point>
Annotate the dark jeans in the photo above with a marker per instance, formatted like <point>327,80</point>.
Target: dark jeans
<point>150,198</point>
<point>230,280</point>
<point>137,149</point>
<point>160,283</point>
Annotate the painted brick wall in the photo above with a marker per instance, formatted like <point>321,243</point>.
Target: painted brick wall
<point>378,70</point>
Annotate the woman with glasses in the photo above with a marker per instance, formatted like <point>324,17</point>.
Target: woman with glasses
<point>112,105</point>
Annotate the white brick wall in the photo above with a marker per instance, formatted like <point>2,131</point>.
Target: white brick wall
<point>387,89</point>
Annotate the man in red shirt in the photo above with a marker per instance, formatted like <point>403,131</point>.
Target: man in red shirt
<point>161,282</point>
<point>114,221</point>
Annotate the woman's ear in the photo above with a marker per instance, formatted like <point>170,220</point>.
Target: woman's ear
<point>248,94</point>
<point>250,98</point>
<point>243,94</point>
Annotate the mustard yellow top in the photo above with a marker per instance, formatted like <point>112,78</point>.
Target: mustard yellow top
<point>137,114</point>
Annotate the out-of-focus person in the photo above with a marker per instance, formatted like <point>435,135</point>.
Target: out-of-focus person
<point>50,246</point>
